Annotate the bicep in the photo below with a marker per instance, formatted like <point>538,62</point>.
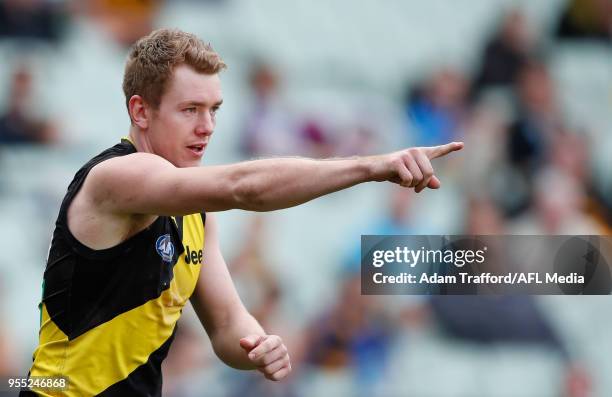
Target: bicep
<point>215,299</point>
<point>143,183</point>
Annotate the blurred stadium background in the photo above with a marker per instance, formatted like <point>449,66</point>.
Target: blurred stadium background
<point>526,84</point>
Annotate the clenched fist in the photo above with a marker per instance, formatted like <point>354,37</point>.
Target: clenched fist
<point>412,167</point>
<point>269,354</point>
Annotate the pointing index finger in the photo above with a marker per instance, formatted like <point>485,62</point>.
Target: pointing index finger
<point>442,150</point>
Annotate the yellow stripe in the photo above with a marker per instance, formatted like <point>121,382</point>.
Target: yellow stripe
<point>111,351</point>
<point>127,138</point>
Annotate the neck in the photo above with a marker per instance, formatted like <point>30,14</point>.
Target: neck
<point>140,140</point>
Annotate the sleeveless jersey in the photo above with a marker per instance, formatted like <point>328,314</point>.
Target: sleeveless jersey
<point>108,316</point>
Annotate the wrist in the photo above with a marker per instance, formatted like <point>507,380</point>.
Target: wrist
<point>373,168</point>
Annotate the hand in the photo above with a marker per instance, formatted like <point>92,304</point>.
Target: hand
<point>269,354</point>
<point>412,167</point>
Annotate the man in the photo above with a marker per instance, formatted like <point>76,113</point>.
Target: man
<point>128,248</point>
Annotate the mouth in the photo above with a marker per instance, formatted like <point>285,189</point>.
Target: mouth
<point>197,149</point>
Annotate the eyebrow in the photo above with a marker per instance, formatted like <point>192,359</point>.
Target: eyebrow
<point>199,103</point>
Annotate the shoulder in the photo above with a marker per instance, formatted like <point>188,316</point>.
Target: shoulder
<point>132,163</point>
<point>124,174</point>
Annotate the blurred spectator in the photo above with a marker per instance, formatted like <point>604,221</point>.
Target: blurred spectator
<point>570,154</point>
<point>269,126</point>
<point>485,156</point>
<point>438,108</point>
<point>484,218</point>
<point>538,122</point>
<point>395,221</point>
<point>586,19</point>
<point>495,319</point>
<point>539,135</point>
<point>559,204</point>
<point>124,21</point>
<point>272,128</point>
<point>507,320</point>
<point>356,140</point>
<point>257,284</point>
<point>32,19</point>
<point>505,53</point>
<point>353,334</point>
<point>18,124</point>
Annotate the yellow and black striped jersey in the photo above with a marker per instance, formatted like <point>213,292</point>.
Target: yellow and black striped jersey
<point>108,316</point>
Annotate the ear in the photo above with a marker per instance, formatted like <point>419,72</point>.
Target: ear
<point>138,111</point>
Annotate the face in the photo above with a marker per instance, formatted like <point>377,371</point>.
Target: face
<point>181,128</point>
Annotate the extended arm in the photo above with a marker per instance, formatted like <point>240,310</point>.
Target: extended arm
<point>143,183</point>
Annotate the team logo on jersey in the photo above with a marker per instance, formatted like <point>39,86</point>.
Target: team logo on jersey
<point>164,247</point>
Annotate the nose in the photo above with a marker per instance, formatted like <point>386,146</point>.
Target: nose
<point>206,124</point>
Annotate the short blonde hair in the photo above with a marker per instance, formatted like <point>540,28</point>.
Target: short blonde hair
<point>152,60</point>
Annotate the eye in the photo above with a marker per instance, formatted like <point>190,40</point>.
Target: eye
<point>214,110</point>
<point>191,109</point>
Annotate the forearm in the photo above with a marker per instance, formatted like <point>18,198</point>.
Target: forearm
<point>270,184</point>
<point>225,341</point>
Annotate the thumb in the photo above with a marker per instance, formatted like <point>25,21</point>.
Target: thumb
<point>434,183</point>
<point>250,341</point>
